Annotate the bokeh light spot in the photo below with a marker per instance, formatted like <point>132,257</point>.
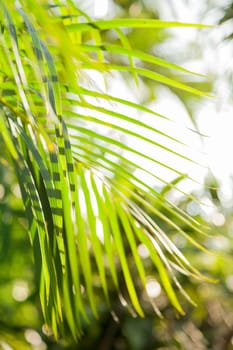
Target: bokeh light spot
<point>153,288</point>
<point>20,290</point>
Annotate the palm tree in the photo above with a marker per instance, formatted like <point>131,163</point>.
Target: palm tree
<point>87,208</point>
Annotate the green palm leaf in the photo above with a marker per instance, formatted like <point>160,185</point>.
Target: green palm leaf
<point>82,197</point>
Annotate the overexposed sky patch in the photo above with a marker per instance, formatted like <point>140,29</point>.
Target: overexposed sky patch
<point>214,116</point>
<point>101,8</point>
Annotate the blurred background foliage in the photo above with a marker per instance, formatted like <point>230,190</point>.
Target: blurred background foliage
<point>207,326</point>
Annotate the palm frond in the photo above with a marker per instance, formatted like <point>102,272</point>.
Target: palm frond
<point>87,208</point>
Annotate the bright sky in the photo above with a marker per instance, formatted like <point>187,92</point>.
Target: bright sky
<point>214,116</point>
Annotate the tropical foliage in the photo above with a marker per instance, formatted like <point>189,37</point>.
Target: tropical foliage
<point>88,210</point>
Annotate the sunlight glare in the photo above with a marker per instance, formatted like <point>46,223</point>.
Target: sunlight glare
<point>100,8</point>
